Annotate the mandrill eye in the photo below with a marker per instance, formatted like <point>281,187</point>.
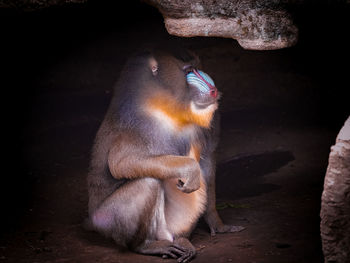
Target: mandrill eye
<point>154,70</point>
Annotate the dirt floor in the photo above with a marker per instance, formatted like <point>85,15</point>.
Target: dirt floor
<point>281,111</point>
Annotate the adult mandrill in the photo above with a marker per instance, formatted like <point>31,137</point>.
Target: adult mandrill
<point>152,171</point>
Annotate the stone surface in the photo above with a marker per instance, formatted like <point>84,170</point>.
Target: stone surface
<point>259,25</point>
<point>335,209</point>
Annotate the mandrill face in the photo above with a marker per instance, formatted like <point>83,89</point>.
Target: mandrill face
<point>202,87</point>
<point>184,96</point>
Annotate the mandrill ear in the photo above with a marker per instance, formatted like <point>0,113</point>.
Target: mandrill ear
<point>153,64</point>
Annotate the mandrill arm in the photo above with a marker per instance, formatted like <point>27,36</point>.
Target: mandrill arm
<point>129,159</point>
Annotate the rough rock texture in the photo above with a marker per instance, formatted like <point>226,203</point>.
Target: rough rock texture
<point>259,25</point>
<point>31,5</point>
<point>335,210</point>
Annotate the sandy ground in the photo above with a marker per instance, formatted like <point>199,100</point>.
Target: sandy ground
<point>281,111</point>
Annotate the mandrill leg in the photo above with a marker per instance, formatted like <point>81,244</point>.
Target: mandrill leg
<point>139,222</point>
<point>211,216</point>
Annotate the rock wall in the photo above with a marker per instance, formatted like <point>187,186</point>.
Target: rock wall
<point>335,208</point>
<point>259,25</point>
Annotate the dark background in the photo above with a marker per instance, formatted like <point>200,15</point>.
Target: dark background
<point>58,69</point>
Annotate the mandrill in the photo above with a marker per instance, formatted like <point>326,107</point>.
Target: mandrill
<point>152,171</point>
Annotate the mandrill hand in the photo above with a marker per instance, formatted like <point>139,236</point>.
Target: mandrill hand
<point>189,180</point>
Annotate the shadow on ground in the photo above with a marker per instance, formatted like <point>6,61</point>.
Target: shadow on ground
<point>242,176</point>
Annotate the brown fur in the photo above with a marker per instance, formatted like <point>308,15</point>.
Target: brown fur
<point>152,172</point>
